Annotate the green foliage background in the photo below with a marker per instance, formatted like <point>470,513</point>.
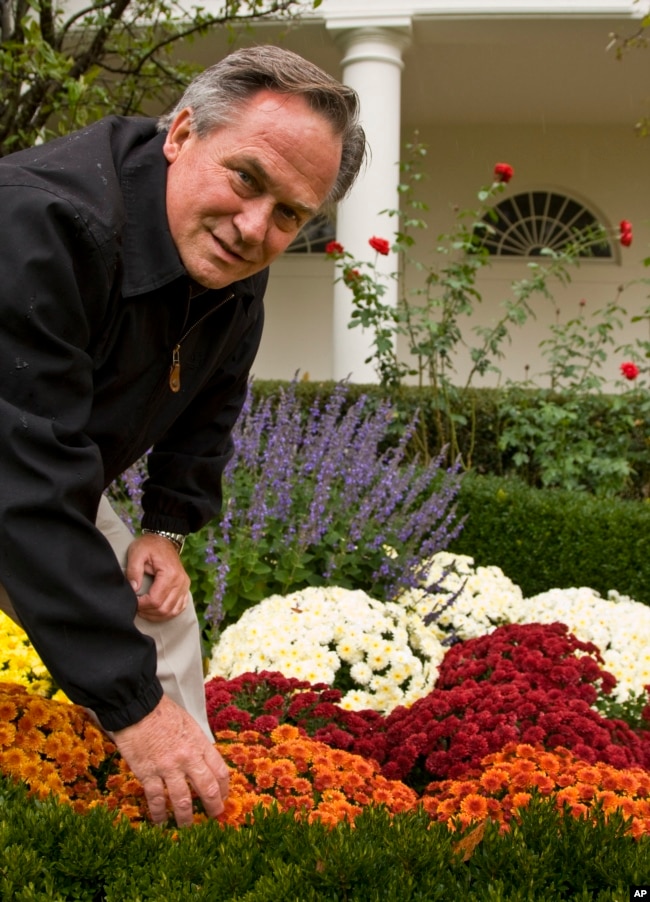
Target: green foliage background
<point>64,66</point>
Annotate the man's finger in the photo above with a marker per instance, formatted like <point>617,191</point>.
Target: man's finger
<point>171,607</point>
<point>154,791</point>
<point>181,802</point>
<point>220,769</point>
<point>211,788</point>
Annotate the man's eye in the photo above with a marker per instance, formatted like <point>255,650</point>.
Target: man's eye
<point>289,215</point>
<point>246,178</point>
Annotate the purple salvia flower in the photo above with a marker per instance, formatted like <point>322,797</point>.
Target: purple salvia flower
<point>311,496</point>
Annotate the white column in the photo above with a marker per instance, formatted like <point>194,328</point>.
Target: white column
<point>372,65</point>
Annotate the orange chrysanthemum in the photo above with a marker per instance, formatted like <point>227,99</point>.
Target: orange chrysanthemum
<point>449,807</point>
<point>549,762</point>
<point>474,806</point>
<point>8,708</point>
<point>308,777</point>
<point>7,735</point>
<point>586,791</point>
<point>520,799</point>
<point>511,777</point>
<point>589,774</point>
<point>12,760</point>
<point>31,740</point>
<point>39,711</point>
<point>495,779</point>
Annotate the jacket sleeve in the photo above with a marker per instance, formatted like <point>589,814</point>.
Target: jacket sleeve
<point>183,491</point>
<point>60,573</point>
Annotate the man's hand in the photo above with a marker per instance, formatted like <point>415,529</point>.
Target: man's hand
<point>166,751</point>
<point>154,556</point>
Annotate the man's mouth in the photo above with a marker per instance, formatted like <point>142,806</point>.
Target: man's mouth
<point>229,250</point>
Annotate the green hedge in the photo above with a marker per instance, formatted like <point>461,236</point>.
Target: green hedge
<point>597,432</point>
<point>548,538</point>
<point>47,852</point>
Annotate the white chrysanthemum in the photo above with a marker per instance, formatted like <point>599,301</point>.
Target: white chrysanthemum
<point>307,670</point>
<point>349,651</point>
<point>386,693</point>
<point>618,625</point>
<point>484,596</point>
<point>318,633</point>
<point>361,673</point>
<point>357,700</point>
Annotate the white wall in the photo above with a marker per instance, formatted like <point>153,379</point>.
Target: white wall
<point>298,329</point>
<point>605,168</point>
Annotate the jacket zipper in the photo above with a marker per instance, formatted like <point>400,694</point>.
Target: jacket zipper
<point>175,368</point>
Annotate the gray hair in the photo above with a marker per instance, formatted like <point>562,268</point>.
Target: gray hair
<point>216,94</point>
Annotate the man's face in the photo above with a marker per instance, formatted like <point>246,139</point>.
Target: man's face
<point>237,197</point>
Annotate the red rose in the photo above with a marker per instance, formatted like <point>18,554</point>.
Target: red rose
<point>503,172</point>
<point>333,247</point>
<point>380,245</point>
<point>351,275</point>
<point>630,370</point>
<point>626,232</point>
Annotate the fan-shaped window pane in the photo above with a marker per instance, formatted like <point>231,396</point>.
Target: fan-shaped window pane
<point>313,238</point>
<point>523,225</point>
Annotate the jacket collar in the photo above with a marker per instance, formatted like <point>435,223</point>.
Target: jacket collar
<point>149,254</point>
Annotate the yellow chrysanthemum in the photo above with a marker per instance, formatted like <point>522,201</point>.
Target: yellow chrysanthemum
<point>19,662</point>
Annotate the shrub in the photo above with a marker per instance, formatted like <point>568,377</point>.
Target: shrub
<point>499,430</point>
<point>49,852</point>
<point>551,538</point>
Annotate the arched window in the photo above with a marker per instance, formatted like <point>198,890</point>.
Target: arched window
<point>524,224</point>
<point>313,238</point>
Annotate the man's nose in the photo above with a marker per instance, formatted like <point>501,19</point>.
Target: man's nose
<point>254,220</point>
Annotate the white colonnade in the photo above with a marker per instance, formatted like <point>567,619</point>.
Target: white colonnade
<point>372,65</point>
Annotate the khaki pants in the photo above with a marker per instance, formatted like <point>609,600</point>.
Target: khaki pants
<point>178,643</point>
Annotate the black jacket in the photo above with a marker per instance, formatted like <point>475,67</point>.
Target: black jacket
<point>93,300</point>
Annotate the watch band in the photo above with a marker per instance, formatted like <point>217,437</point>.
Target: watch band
<point>176,538</point>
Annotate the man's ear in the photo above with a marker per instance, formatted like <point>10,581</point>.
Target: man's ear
<point>178,133</point>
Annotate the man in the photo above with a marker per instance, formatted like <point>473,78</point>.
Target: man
<point>133,265</point>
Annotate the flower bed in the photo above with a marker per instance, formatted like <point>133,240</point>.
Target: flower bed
<point>54,747</point>
<point>470,732</point>
<point>484,598</point>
